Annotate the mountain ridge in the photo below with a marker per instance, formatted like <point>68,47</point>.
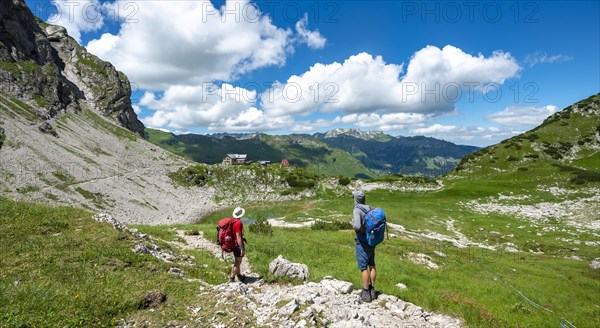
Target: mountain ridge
<point>567,141</point>
<point>374,150</point>
<point>42,66</point>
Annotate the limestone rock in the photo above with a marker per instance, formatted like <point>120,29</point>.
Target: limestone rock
<point>283,268</point>
<point>595,264</point>
<point>342,287</point>
<point>176,272</point>
<point>48,129</point>
<point>401,286</point>
<point>289,308</point>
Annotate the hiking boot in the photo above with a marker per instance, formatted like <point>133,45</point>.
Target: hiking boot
<point>365,296</point>
<point>231,279</point>
<point>241,278</point>
<point>373,294</point>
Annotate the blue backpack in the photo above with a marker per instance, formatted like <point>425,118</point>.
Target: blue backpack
<point>375,225</point>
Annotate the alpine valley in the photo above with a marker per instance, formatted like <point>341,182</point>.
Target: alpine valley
<point>106,223</point>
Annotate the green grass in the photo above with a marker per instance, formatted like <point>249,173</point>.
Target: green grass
<point>98,199</point>
<point>61,268</point>
<point>27,189</point>
<point>110,127</point>
<point>19,67</point>
<point>97,67</point>
<point>39,100</point>
<point>18,107</point>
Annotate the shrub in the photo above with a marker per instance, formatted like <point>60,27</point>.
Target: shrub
<point>512,158</point>
<point>261,226</point>
<point>300,181</point>
<point>191,176</point>
<point>344,181</point>
<point>330,225</point>
<point>565,145</point>
<point>532,137</point>
<point>581,176</point>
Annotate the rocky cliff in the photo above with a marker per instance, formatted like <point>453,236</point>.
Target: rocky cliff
<point>42,65</point>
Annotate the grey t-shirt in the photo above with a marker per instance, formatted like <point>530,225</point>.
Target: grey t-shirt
<point>358,222</point>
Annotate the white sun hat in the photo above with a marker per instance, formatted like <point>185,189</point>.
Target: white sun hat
<point>238,212</point>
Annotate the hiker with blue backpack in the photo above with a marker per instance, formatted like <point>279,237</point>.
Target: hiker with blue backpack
<point>369,225</point>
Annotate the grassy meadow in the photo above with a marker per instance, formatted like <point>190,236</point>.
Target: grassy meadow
<point>539,286</point>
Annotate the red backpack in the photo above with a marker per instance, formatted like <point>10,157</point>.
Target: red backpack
<point>225,237</point>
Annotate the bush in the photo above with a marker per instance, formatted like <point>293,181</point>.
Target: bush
<point>581,176</point>
<point>261,226</point>
<point>191,176</point>
<point>512,158</point>
<point>301,179</point>
<point>565,145</point>
<point>532,137</point>
<point>331,225</point>
<point>344,181</point>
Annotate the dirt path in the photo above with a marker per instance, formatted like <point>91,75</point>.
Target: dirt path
<point>199,242</point>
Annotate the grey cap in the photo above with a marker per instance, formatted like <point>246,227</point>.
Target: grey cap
<point>359,196</point>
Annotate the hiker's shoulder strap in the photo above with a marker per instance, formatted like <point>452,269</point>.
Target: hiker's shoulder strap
<point>363,208</point>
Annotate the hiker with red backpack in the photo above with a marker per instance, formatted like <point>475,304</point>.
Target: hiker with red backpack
<point>369,223</point>
<point>230,235</point>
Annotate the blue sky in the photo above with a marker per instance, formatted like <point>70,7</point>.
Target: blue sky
<point>468,72</point>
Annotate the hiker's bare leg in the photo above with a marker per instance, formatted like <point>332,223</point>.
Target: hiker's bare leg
<point>365,278</point>
<point>235,270</point>
<point>373,275</point>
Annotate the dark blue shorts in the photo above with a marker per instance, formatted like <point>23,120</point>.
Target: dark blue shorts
<point>365,255</point>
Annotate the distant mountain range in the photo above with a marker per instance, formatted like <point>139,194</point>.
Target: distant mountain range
<point>347,152</point>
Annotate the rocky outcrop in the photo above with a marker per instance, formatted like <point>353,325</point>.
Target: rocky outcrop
<point>2,137</point>
<point>324,304</point>
<point>595,263</point>
<point>281,267</point>
<point>41,64</point>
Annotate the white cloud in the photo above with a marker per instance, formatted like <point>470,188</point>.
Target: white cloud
<point>185,106</point>
<point>137,109</point>
<point>439,129</point>
<point>192,42</point>
<point>465,134</point>
<point>385,122</point>
<point>522,116</point>
<point>435,79</point>
<point>313,39</point>
<point>251,120</point>
<point>543,58</point>
<point>372,121</point>
<point>311,126</point>
<point>77,17</point>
